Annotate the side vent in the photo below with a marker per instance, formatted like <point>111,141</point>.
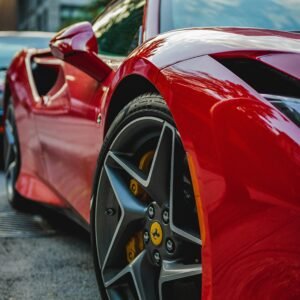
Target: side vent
<point>280,89</point>
<point>261,77</point>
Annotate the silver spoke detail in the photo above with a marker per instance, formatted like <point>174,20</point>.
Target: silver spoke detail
<point>143,277</point>
<point>139,270</point>
<point>171,271</point>
<point>160,168</point>
<point>131,211</point>
<point>115,279</point>
<point>185,235</point>
<point>129,168</point>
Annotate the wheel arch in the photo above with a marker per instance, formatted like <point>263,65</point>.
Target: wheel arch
<point>128,89</point>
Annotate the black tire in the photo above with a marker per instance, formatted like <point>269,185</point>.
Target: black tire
<point>12,159</point>
<point>145,108</point>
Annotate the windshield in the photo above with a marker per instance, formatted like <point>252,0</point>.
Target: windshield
<point>270,14</point>
<point>10,45</point>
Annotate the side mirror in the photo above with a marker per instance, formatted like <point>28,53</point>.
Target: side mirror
<point>77,45</point>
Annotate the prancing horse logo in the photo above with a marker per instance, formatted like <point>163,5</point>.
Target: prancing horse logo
<point>156,234</point>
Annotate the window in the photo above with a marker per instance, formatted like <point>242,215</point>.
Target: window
<point>270,14</point>
<point>117,29</point>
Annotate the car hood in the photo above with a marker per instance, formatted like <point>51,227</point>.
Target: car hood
<point>183,44</point>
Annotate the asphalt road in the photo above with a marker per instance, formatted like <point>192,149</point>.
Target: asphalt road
<point>43,256</point>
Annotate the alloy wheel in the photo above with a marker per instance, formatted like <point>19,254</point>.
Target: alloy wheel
<point>158,223</point>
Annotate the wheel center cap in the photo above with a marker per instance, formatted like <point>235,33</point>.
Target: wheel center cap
<point>156,234</point>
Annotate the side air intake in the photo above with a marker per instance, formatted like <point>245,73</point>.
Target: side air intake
<point>280,89</point>
<point>263,78</point>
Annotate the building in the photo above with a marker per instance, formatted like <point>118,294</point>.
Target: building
<point>8,14</point>
<point>49,15</point>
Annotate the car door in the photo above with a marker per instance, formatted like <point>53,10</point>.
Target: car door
<point>68,120</point>
<point>67,129</point>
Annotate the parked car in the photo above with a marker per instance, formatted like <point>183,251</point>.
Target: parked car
<point>178,150</point>
<point>11,43</point>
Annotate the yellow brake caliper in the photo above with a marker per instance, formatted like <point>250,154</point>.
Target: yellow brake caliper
<point>136,245</point>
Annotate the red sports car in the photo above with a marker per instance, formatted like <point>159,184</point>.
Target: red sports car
<point>12,42</point>
<point>178,150</point>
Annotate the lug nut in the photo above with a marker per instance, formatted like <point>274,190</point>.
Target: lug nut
<point>151,211</point>
<point>156,257</point>
<point>170,245</point>
<point>165,216</point>
<point>146,237</point>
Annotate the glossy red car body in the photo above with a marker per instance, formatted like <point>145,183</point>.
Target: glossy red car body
<point>245,152</point>
<point>15,41</point>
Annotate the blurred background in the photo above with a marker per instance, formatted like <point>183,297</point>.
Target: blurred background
<point>46,15</point>
<point>25,23</point>
<point>30,24</point>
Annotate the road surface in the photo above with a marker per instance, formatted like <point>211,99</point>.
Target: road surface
<point>43,256</point>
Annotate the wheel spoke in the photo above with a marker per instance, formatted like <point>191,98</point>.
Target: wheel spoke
<point>186,236</point>
<point>160,171</point>
<point>157,183</point>
<point>132,212</point>
<point>129,168</point>
<point>171,271</point>
<point>131,207</point>
<point>143,275</point>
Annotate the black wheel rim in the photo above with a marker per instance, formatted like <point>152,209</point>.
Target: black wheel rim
<point>120,214</point>
<point>10,155</point>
